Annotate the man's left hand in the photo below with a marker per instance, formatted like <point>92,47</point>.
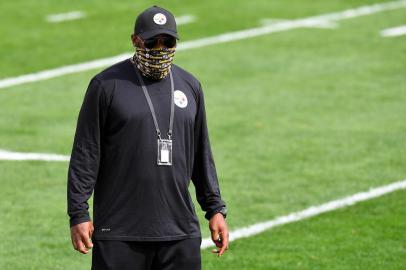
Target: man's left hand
<point>219,233</point>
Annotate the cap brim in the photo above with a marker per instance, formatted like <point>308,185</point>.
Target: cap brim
<point>150,34</point>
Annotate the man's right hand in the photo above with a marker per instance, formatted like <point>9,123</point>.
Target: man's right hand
<point>81,235</point>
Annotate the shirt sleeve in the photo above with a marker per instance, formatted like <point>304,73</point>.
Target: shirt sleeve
<point>85,158</point>
<point>204,174</point>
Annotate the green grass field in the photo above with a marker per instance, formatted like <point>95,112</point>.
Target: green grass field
<point>296,118</point>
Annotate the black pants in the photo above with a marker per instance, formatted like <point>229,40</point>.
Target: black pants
<point>163,255</point>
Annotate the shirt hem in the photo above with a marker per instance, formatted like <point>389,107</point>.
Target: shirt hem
<point>145,238</point>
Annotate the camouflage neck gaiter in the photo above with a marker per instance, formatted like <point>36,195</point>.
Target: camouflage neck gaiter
<point>154,63</point>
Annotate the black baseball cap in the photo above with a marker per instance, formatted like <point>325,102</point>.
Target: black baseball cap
<point>154,21</point>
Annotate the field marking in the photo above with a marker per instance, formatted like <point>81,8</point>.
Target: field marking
<point>394,32</point>
<point>268,21</point>
<point>326,19</point>
<point>316,24</point>
<point>310,212</point>
<point>8,155</point>
<point>68,16</point>
<point>185,19</point>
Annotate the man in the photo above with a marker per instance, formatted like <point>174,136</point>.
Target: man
<point>141,136</point>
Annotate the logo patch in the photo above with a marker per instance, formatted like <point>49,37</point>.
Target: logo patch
<point>180,99</point>
<point>159,18</point>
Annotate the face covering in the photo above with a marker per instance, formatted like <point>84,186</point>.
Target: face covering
<point>154,63</point>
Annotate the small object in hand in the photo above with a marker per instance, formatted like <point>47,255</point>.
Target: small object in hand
<point>219,239</point>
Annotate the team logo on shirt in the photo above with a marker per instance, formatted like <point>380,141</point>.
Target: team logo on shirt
<point>159,18</point>
<point>180,99</point>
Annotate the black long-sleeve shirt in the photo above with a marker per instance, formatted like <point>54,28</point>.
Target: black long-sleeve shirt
<point>114,154</point>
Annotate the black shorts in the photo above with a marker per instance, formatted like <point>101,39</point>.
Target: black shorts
<point>163,255</point>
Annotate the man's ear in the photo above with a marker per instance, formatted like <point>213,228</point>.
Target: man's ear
<point>135,40</point>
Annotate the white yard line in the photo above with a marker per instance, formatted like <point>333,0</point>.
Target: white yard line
<point>310,212</point>
<point>268,21</point>
<point>68,16</point>
<point>70,69</point>
<point>394,32</point>
<point>185,19</point>
<point>315,24</point>
<point>326,19</point>
<point>8,155</point>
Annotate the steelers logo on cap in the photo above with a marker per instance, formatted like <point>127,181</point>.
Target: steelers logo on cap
<point>159,18</point>
<point>180,99</point>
